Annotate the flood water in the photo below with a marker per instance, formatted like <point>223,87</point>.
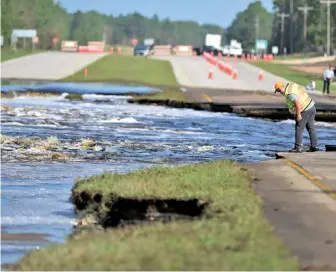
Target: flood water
<point>113,136</point>
<point>74,87</point>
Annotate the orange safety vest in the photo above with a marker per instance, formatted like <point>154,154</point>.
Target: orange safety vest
<point>300,92</point>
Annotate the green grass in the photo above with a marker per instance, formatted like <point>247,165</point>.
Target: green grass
<point>7,54</point>
<point>299,56</point>
<point>235,236</point>
<point>74,97</point>
<point>135,71</point>
<point>292,75</point>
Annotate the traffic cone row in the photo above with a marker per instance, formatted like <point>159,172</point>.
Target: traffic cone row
<point>234,74</point>
<point>111,50</point>
<point>210,74</point>
<point>261,75</point>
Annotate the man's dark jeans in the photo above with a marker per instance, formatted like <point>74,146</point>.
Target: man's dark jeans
<point>326,85</point>
<point>308,122</point>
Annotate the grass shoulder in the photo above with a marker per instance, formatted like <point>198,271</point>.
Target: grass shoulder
<point>292,75</point>
<point>232,234</point>
<point>133,71</point>
<point>8,54</point>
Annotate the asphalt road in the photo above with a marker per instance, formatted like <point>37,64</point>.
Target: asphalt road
<point>294,202</point>
<point>47,66</point>
<point>192,72</point>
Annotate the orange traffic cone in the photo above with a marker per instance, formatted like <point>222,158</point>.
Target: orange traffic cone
<point>119,50</point>
<point>261,75</point>
<point>236,58</point>
<point>194,53</point>
<point>235,74</point>
<point>210,74</point>
<point>228,56</point>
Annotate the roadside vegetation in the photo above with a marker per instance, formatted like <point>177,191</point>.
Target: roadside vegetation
<point>286,72</point>
<point>299,56</point>
<point>134,71</point>
<point>232,234</point>
<point>7,54</point>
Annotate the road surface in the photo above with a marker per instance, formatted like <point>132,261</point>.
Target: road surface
<point>294,201</point>
<point>192,72</point>
<point>47,66</point>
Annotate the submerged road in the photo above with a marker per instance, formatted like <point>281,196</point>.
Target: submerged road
<point>47,66</point>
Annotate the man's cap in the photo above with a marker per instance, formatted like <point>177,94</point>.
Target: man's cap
<point>278,85</point>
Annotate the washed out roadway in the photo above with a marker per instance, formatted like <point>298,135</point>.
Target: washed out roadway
<point>47,66</point>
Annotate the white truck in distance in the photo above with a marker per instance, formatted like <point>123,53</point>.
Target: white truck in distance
<point>235,48</point>
<point>213,40</point>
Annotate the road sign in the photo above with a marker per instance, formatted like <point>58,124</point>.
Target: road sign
<point>261,44</point>
<point>35,39</point>
<point>134,41</point>
<point>149,41</point>
<point>275,50</point>
<point>24,33</point>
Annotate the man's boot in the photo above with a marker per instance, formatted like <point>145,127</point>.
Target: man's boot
<point>296,149</point>
<point>313,149</point>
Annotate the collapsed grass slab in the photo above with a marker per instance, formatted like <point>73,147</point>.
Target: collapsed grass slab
<point>122,212</point>
<point>234,237</point>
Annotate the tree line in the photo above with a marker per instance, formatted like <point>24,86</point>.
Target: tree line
<point>51,20</point>
<point>256,22</point>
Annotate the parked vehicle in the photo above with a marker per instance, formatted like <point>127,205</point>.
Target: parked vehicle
<point>235,48</point>
<point>143,50</point>
<point>209,49</point>
<point>226,50</point>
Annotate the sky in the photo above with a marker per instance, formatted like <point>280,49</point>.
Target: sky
<point>220,12</point>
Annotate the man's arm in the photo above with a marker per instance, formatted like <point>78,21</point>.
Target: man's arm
<point>298,109</point>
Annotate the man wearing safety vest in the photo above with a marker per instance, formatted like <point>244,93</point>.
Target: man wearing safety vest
<point>302,106</point>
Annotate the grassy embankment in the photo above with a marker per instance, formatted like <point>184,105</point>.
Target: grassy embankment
<point>133,70</point>
<point>292,75</point>
<point>233,234</point>
<point>299,56</point>
<point>7,54</point>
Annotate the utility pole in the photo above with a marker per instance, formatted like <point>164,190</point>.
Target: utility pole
<point>329,3</point>
<point>283,16</point>
<point>305,10</point>
<point>257,24</point>
<point>291,11</point>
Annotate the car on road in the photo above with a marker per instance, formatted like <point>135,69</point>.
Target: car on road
<point>143,50</point>
<point>209,49</point>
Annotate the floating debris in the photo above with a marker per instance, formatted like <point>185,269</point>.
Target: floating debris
<point>39,149</point>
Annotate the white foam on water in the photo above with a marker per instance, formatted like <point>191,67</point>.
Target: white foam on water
<point>35,220</point>
<point>5,246</point>
<point>121,120</point>
<point>319,124</point>
<point>327,125</point>
<point>12,123</point>
<point>105,97</point>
